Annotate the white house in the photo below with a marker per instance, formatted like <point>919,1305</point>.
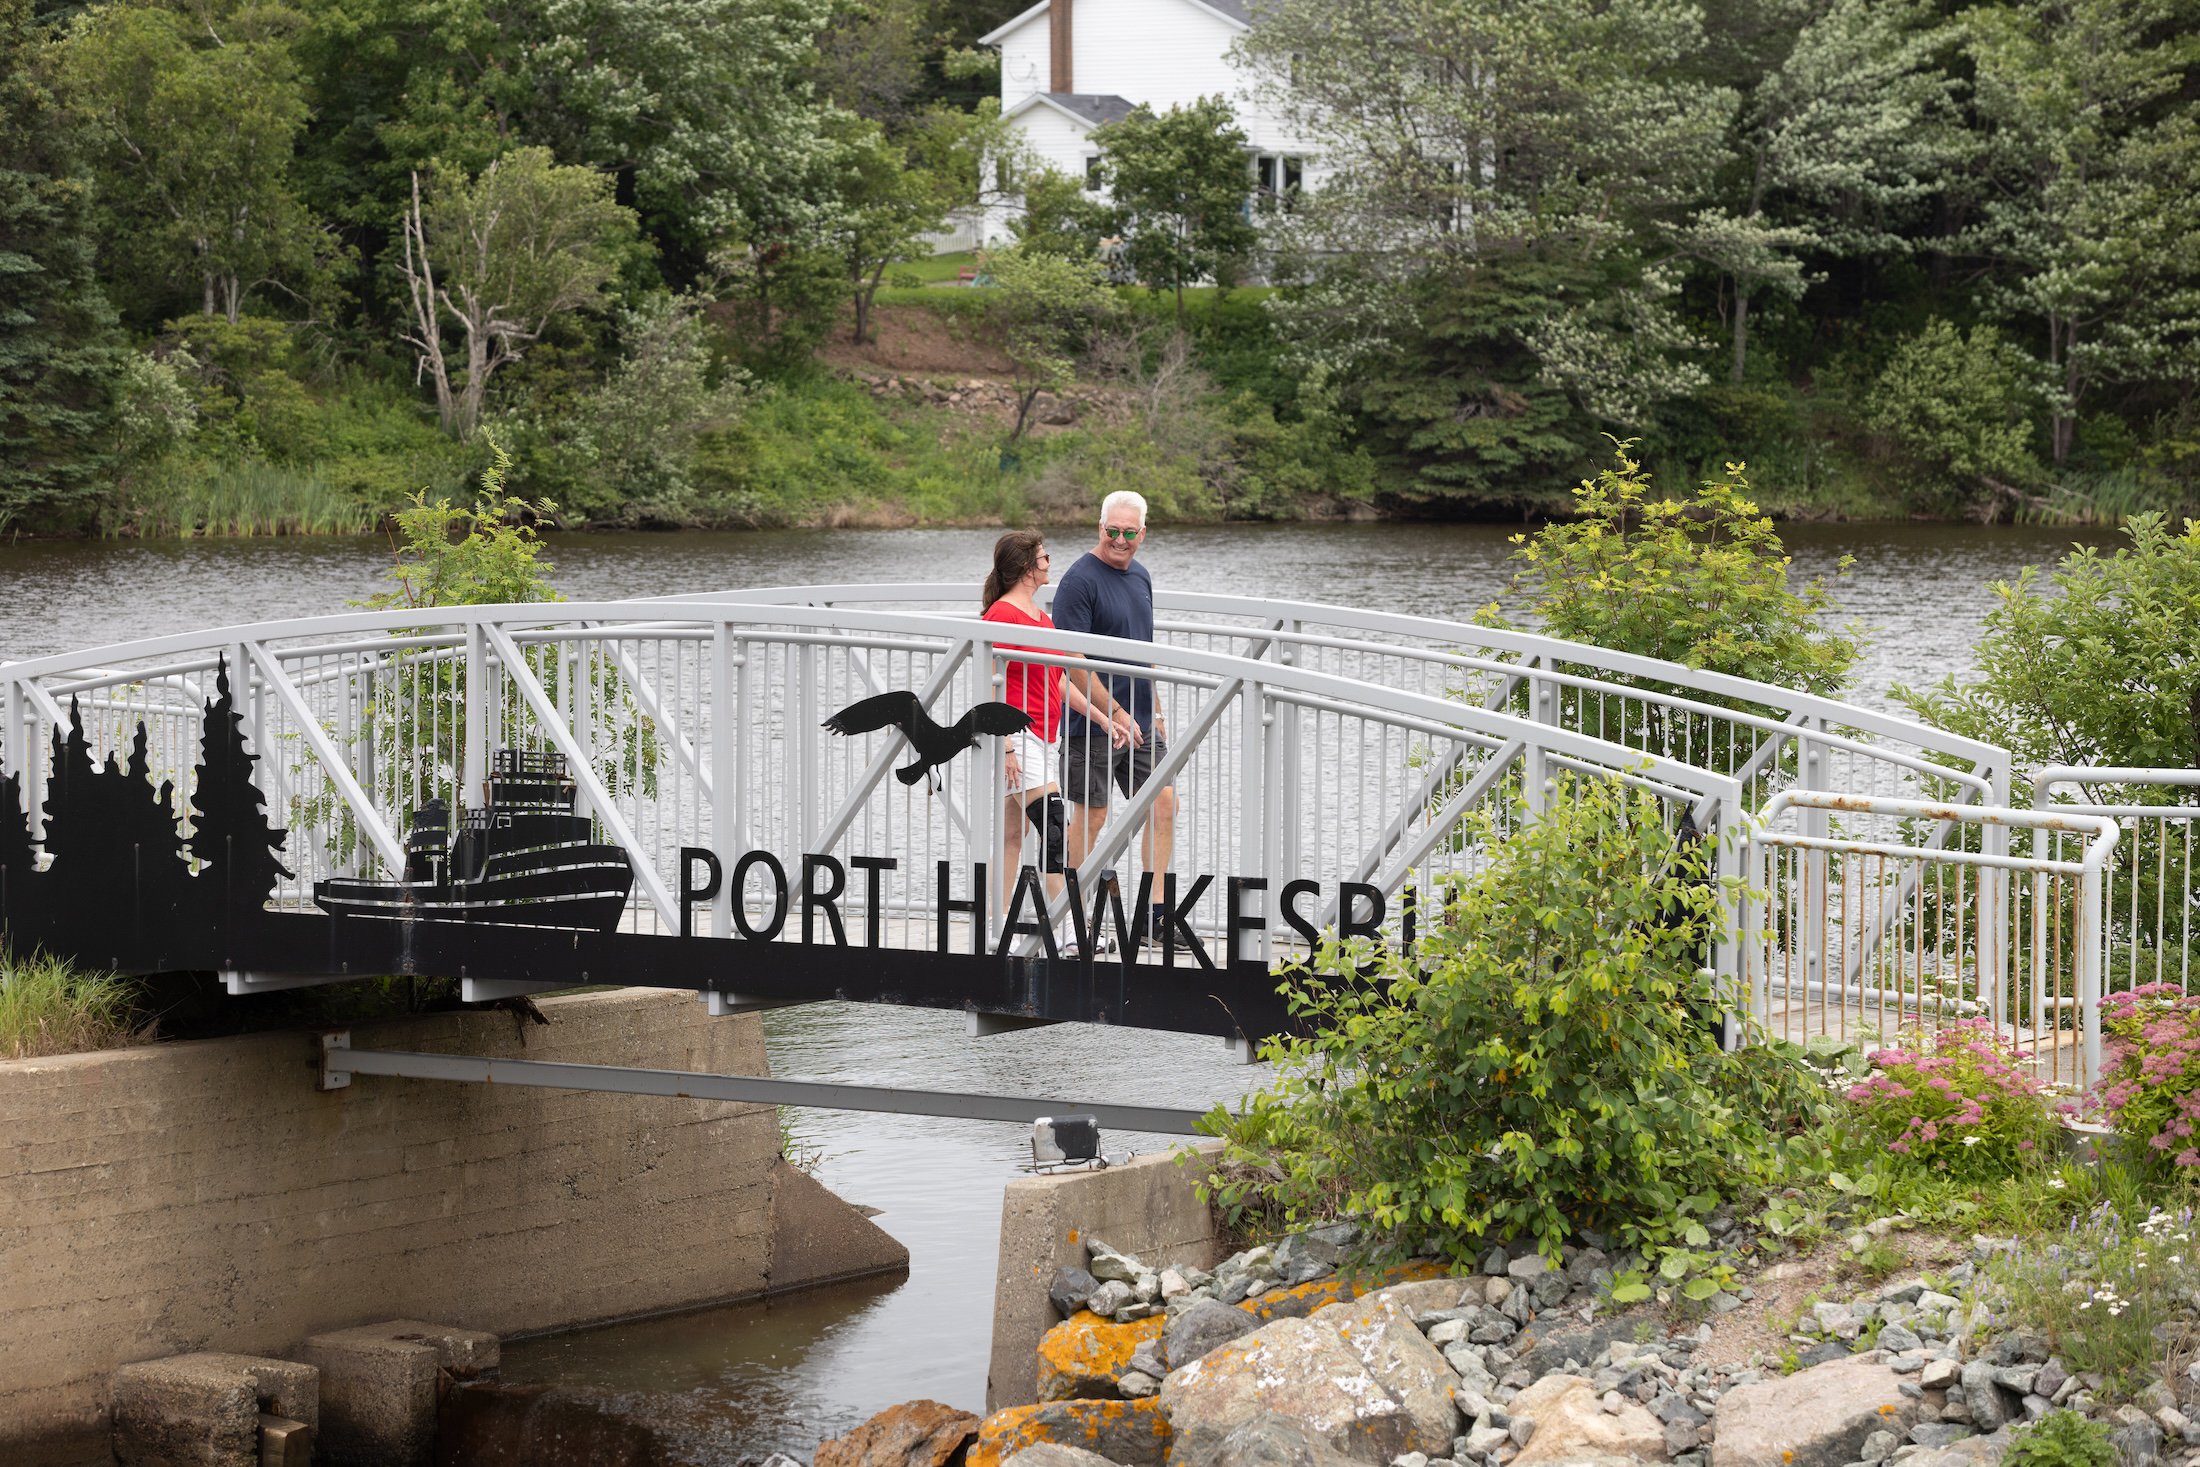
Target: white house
<point>1067,67</point>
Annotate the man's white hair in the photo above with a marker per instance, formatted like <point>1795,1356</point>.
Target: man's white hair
<point>1120,499</point>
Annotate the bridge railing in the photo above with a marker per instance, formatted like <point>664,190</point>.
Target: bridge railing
<point>698,725</point>
<point>2151,897</point>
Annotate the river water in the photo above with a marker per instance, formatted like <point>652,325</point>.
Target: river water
<point>725,1384</point>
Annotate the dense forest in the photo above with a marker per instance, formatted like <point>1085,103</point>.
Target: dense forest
<point>283,265</point>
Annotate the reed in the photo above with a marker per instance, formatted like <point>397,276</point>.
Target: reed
<point>2108,497</point>
<point>48,1007</point>
<point>249,497</point>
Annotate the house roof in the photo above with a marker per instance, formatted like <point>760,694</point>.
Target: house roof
<point>1088,108</point>
<point>1237,12</point>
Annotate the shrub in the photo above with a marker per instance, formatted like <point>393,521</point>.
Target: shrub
<point>1701,581</point>
<point>2149,1088</point>
<point>2062,1439</point>
<point>2110,1296</point>
<point>1955,1103</point>
<point>1544,1063</point>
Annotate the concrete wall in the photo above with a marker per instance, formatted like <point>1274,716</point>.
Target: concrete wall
<point>1145,1208</point>
<point>205,1196</point>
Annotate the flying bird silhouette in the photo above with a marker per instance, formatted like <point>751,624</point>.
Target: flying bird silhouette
<point>935,744</point>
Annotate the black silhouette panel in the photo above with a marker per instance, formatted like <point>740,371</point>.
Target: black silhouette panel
<point>934,743</point>
<point>525,859</point>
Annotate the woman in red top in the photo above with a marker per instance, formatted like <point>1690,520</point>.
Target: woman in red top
<point>1019,569</point>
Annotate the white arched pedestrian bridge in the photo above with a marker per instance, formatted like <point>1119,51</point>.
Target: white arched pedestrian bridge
<point>1876,873</point>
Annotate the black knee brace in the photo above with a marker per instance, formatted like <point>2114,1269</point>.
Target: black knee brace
<point>1051,821</point>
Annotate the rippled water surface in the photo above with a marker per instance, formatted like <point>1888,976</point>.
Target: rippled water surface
<point>724,1384</point>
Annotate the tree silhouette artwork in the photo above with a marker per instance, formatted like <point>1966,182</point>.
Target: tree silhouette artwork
<point>18,857</point>
<point>110,836</point>
<point>230,834</point>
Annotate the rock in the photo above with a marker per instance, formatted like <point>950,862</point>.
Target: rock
<point>1938,1375</point>
<point>2138,1443</point>
<point>1483,1440</point>
<point>1173,1284</point>
<point>1267,1440</point>
<point>1571,1423</point>
<point>1521,1429</point>
<point>1938,1433</point>
<point>1131,1433</point>
<point>1136,1385</point>
<point>1527,1266</point>
<point>2173,1423</point>
<point>1814,1418</point>
<point>1070,1289</point>
<point>1080,1358</point>
<point>1309,1373</point>
<point>1897,1338</point>
<point>1493,1262</point>
<point>1972,1451</point>
<point>2051,1377</point>
<point>1681,1437</point>
<point>1110,1267</point>
<point>1544,1348</point>
<point>205,1408</point>
<point>1880,1445</point>
<point>2019,1346</point>
<point>1202,1326</point>
<point>1982,1394</point>
<point>1112,1295</point>
<point>1053,1454</point>
<point>1379,1329</point>
<point>913,1434</point>
<point>1447,1332</point>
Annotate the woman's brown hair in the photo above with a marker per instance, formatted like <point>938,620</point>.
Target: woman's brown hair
<point>1015,555</point>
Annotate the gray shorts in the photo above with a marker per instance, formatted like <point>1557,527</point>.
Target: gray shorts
<point>1088,764</point>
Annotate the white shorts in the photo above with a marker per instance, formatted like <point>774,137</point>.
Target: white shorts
<point>1033,757</point>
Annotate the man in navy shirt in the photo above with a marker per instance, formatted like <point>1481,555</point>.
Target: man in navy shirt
<point>1108,594</point>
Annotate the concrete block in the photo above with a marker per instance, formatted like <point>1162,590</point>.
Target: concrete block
<point>816,1238</point>
<point>204,1410</point>
<point>1146,1208</point>
<point>381,1384</point>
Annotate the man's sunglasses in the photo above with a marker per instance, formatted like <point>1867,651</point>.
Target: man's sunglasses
<point>1115,534</point>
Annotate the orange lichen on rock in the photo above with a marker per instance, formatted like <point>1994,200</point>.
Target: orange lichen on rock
<point>1301,1300</point>
<point>1082,1356</point>
<point>1134,1433</point>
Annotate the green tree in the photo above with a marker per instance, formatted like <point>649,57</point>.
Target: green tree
<point>1060,216</point>
<point>1179,179</point>
<point>1703,582</point>
<point>59,357</point>
<point>1838,143</point>
<point>494,260</point>
<point>1958,407</point>
<point>2090,194</point>
<point>893,190</point>
<point>1045,309</point>
<point>192,129</point>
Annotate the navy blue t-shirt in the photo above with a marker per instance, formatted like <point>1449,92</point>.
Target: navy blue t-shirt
<point>1097,598</point>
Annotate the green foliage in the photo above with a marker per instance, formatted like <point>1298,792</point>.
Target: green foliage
<point>2111,1294</point>
<point>1959,408</point>
<point>193,126</point>
<point>1060,217</point>
<point>1045,308</point>
<point>184,496</point>
<point>2062,1439</point>
<point>48,1006</point>
<point>2105,669</point>
<point>492,261</point>
<point>2149,1088</point>
<point>625,452</point>
<point>1544,1064</point>
<point>448,554</point>
<point>59,359</point>
<point>1702,582</point>
<point>1178,181</point>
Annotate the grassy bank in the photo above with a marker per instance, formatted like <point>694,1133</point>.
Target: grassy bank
<point>48,1006</point>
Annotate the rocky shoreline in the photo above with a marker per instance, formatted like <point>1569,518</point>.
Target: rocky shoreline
<point>1284,1356</point>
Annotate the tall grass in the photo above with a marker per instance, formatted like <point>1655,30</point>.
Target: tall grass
<point>191,497</point>
<point>2108,497</point>
<point>48,1007</point>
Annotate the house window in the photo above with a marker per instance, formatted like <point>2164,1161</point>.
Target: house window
<point>1092,174</point>
<point>1279,177</point>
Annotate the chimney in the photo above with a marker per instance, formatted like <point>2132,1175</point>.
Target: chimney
<point>1058,37</point>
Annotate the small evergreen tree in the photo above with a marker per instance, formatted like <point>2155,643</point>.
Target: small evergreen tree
<point>58,351</point>
<point>231,837</point>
